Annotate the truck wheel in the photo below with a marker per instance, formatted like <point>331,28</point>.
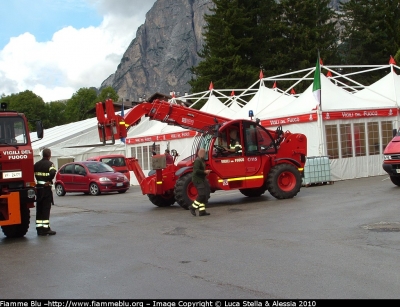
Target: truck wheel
<point>395,180</point>
<point>284,181</point>
<point>19,230</point>
<point>59,190</point>
<point>254,192</point>
<point>185,191</point>
<point>165,200</point>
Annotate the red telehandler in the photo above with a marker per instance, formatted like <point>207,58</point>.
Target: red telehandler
<point>270,160</point>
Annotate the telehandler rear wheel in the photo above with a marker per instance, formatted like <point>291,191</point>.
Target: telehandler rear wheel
<point>185,191</point>
<point>164,200</point>
<point>19,230</point>
<point>284,181</point>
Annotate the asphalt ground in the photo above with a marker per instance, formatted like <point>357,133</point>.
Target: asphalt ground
<point>333,241</point>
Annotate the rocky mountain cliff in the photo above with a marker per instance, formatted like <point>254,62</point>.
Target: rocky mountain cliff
<point>165,48</point>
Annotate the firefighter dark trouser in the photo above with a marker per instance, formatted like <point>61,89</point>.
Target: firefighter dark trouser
<point>43,206</point>
<point>203,194</point>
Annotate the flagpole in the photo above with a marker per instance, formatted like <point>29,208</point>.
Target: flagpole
<point>321,147</point>
<point>122,113</point>
<point>317,95</point>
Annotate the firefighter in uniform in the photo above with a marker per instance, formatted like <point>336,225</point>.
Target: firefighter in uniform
<point>234,146</point>
<point>44,174</point>
<point>200,182</point>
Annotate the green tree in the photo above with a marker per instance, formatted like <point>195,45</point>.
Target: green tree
<point>264,22</point>
<point>304,27</point>
<point>397,57</point>
<point>106,93</point>
<point>371,32</point>
<point>28,103</point>
<point>243,36</point>
<point>225,54</point>
<point>80,103</point>
<point>55,114</point>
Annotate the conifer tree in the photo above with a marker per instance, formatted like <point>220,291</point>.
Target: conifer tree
<point>305,27</point>
<point>225,52</point>
<point>371,33</point>
<point>244,36</point>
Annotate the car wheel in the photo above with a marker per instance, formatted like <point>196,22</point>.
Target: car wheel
<point>60,190</point>
<point>94,189</point>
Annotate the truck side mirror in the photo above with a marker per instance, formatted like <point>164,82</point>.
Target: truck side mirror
<point>39,129</point>
<point>394,132</point>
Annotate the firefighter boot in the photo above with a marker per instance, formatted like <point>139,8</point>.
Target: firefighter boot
<point>192,210</point>
<point>202,210</point>
<point>47,231</point>
<point>203,213</point>
<point>39,230</point>
<point>193,207</point>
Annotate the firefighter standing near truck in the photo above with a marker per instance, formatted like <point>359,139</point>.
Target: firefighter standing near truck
<point>44,174</point>
<point>200,182</point>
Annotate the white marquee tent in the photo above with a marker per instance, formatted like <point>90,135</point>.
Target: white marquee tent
<point>350,118</point>
<point>60,140</point>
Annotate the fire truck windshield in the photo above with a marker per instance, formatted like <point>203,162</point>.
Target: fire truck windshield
<point>12,131</point>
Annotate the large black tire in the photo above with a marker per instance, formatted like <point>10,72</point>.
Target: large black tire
<point>165,200</point>
<point>19,230</point>
<point>185,191</point>
<point>395,180</point>
<point>284,181</point>
<point>254,192</point>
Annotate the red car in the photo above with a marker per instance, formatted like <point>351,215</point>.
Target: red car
<point>89,177</point>
<point>116,161</point>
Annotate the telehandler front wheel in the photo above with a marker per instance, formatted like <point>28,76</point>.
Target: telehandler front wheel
<point>284,181</point>
<point>165,200</point>
<point>185,191</point>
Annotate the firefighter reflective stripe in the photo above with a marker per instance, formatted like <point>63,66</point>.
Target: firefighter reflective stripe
<point>196,204</point>
<point>43,182</point>
<point>42,174</point>
<point>39,223</point>
<point>52,168</point>
<point>46,224</point>
<point>233,146</point>
<point>199,205</point>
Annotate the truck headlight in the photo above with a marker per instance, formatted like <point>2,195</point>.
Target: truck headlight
<point>387,157</point>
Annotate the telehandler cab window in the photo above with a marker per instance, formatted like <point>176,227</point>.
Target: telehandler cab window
<point>258,140</point>
<point>12,131</point>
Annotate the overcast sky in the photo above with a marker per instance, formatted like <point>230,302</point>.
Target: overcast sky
<point>56,47</point>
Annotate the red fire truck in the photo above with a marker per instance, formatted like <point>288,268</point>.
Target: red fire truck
<point>17,180</point>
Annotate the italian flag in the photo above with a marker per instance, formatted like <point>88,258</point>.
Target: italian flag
<point>317,82</point>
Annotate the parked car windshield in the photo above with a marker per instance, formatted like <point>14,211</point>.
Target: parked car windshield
<point>99,167</point>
